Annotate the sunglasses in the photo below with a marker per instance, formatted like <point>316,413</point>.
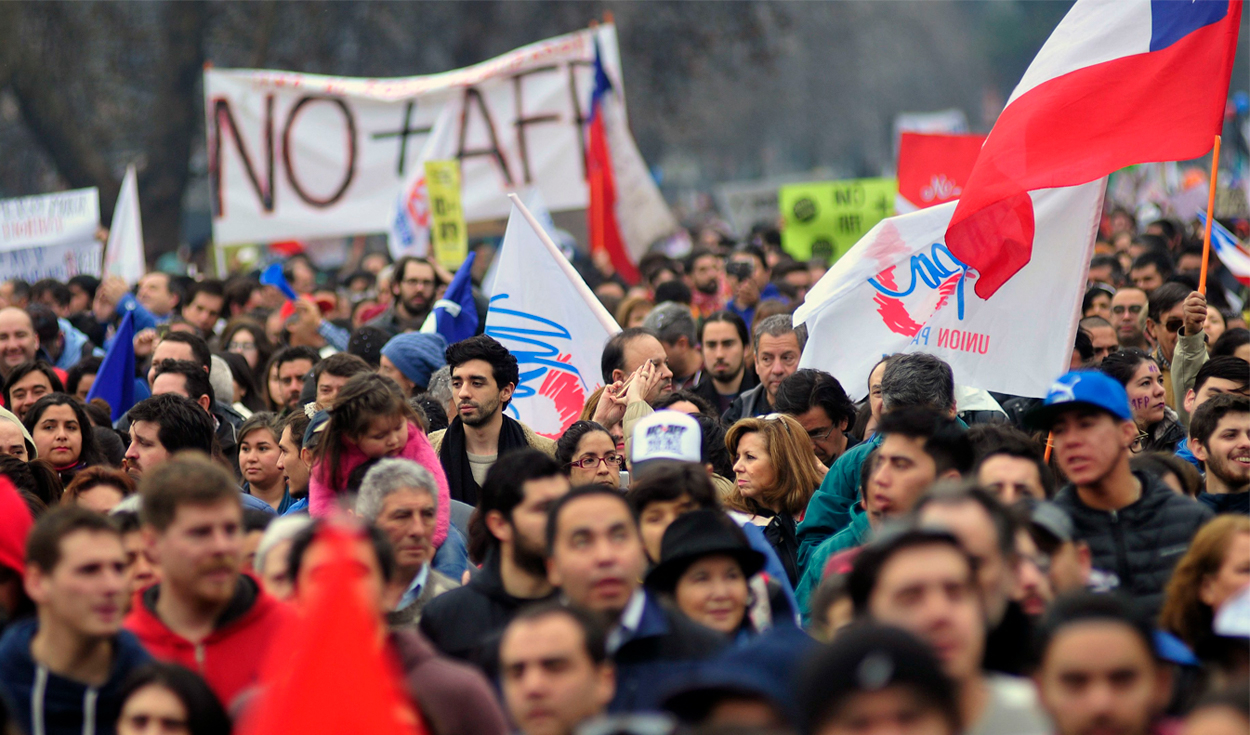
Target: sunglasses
<point>1133,309</point>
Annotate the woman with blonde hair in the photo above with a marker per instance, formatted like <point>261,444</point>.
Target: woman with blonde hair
<point>775,473</point>
<point>1216,566</point>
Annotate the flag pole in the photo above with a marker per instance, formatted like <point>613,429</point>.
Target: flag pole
<point>605,319</point>
<point>1206,235</point>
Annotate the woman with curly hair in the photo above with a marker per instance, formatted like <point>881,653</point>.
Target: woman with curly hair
<point>775,473</point>
<point>1216,566</point>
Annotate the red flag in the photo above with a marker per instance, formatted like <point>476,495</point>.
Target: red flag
<point>330,672</point>
<point>605,234</point>
<point>933,169</point>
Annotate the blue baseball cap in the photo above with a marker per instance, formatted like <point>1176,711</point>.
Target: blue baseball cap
<point>1081,388</point>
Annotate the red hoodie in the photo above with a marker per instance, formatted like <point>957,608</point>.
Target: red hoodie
<point>230,657</point>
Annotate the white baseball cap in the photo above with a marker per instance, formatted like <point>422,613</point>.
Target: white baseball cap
<point>665,434</point>
<point>1233,618</point>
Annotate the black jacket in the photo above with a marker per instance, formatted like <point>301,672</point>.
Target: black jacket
<point>750,404</point>
<point>467,622</point>
<point>706,389</point>
<point>1227,503</point>
<point>1140,543</point>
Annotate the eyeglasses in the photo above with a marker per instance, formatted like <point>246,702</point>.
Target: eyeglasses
<point>241,346</point>
<point>1139,443</point>
<point>819,435</point>
<point>1132,309</point>
<point>590,463</point>
<point>419,282</point>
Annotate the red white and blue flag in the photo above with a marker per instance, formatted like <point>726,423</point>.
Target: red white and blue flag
<point>1230,252</point>
<point>605,233</point>
<point>1119,82</point>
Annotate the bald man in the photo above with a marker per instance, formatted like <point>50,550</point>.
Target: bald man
<point>18,341</point>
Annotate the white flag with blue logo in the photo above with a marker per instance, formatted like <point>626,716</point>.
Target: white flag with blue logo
<point>899,289</point>
<point>547,316</point>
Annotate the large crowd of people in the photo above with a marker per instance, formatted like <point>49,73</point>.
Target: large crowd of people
<point>721,542</point>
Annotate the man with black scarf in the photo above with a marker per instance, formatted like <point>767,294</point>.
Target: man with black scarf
<point>483,376</point>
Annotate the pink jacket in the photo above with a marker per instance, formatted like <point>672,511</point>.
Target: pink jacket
<point>322,496</point>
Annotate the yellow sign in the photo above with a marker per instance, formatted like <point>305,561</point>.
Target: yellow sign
<point>823,220</point>
<point>449,240</point>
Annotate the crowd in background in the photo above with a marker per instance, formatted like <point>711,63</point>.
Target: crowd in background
<point>723,542</point>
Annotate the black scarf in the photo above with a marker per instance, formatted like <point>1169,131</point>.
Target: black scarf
<point>455,456</point>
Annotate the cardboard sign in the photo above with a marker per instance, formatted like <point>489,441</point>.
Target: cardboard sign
<point>932,169</point>
<point>50,235</point>
<point>824,220</point>
<point>448,236</point>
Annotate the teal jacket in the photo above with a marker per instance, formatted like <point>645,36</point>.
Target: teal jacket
<point>858,533</point>
<point>829,510</point>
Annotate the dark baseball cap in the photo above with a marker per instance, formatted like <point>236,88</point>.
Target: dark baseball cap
<point>870,658</point>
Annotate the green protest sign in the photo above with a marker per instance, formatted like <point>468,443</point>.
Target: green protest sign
<point>825,219</point>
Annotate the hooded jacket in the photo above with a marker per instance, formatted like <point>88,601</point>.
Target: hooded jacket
<point>322,493</point>
<point>77,345</point>
<point>1139,543</point>
<point>453,697</point>
<point>44,703</point>
<point>466,623</point>
<point>230,657</point>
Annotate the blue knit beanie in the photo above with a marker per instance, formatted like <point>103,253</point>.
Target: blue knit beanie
<point>417,355</point>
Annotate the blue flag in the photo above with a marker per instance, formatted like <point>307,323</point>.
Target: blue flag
<point>115,382</point>
<point>455,315</point>
<point>273,276</point>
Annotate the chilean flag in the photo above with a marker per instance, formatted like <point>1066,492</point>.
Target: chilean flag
<point>605,233</point>
<point>1227,249</point>
<point>1119,82</point>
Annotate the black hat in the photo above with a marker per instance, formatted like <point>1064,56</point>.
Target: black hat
<point>869,658</point>
<point>698,534</point>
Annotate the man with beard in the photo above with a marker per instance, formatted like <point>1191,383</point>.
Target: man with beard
<point>1219,437</point>
<point>706,272</point>
<point>726,375</point>
<point>483,376</point>
<point>1129,311</point>
<point>511,520</point>
<point>414,284</point>
<point>203,614</point>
